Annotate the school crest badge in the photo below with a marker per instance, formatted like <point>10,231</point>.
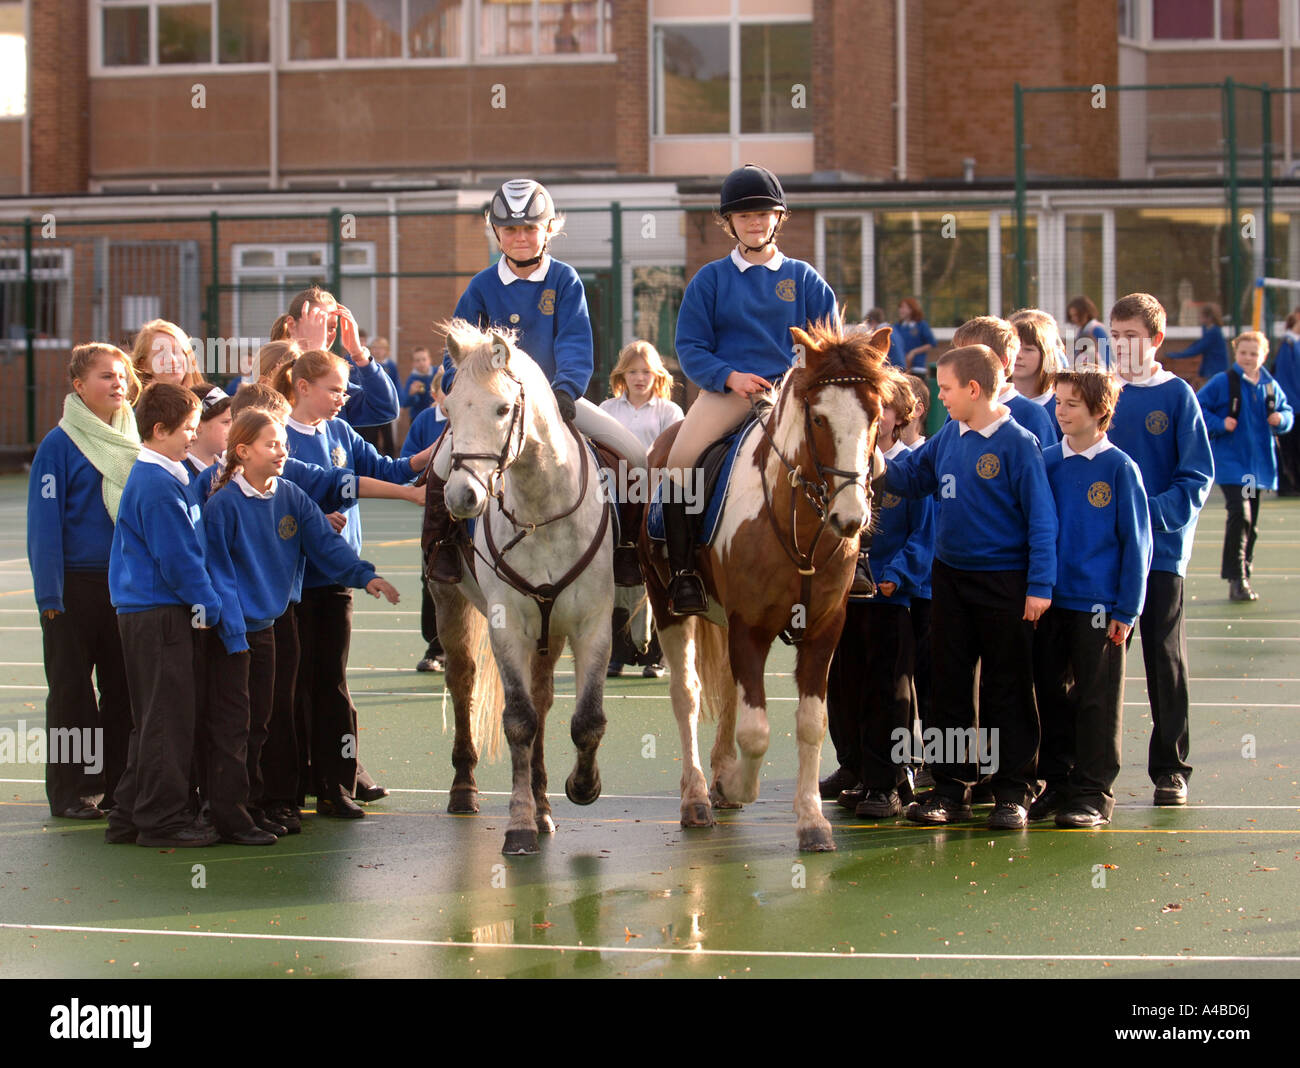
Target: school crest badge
<point>988,466</point>
<point>890,501</point>
<point>785,290</point>
<point>546,305</point>
<point>1157,422</point>
<point>1099,494</point>
<point>339,455</point>
<point>288,527</point>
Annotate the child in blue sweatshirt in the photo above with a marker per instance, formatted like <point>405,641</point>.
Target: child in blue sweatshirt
<point>1158,425</point>
<point>1100,586</point>
<point>1000,336</point>
<point>316,384</point>
<point>994,567</point>
<point>869,689</point>
<point>73,494</point>
<point>1245,410</point>
<point>163,597</point>
<point>258,529</point>
<point>1211,346</point>
<point>1286,370</point>
<point>418,394</point>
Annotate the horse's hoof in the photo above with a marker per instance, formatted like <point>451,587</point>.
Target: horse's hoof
<point>816,840</point>
<point>463,801</point>
<point>697,814</point>
<point>520,843</point>
<point>719,799</point>
<point>586,798</point>
<point>545,825</point>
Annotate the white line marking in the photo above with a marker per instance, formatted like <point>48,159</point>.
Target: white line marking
<point>651,951</point>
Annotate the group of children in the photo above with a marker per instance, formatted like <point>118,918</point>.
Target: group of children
<point>184,551</point>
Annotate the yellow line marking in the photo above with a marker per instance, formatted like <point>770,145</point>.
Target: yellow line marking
<point>390,544</point>
<point>15,593</point>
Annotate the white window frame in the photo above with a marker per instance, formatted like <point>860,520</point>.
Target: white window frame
<point>733,25</point>
<point>280,267</point>
<point>99,69</point>
<point>1146,22</point>
<point>61,271</point>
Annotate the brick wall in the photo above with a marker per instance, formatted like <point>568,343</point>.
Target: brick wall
<point>58,97</point>
<point>632,87</point>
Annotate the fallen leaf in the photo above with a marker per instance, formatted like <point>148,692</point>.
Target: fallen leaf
<point>1172,908</point>
<point>628,936</point>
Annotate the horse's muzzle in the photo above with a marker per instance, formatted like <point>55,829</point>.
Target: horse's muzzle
<point>846,526</point>
<point>465,497</point>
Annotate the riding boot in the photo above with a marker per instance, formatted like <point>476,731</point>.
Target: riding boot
<point>441,554</point>
<point>686,595</point>
<point>864,585</point>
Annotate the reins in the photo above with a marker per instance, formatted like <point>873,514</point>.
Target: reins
<point>819,494</point>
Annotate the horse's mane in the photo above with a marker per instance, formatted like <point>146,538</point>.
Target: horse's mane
<point>479,362</point>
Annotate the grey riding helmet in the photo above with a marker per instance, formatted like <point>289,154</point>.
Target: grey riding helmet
<point>519,202</point>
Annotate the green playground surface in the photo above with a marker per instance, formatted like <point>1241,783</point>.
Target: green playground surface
<point>1210,890</point>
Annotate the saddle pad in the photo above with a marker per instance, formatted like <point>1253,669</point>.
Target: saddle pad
<point>718,462</point>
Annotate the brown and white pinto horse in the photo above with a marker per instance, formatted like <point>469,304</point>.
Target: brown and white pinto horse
<point>782,561</point>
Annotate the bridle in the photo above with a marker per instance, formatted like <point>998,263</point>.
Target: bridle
<point>819,493</point>
<point>545,594</point>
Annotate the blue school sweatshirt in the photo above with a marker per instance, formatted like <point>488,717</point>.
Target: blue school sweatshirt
<point>1101,506</point>
<point>902,544</point>
<point>548,309</point>
<point>739,320</point>
<point>995,509</point>
<point>1033,417</point>
<point>922,590</point>
<point>1249,450</point>
<point>333,489</point>
<point>336,444</point>
<point>1092,347</point>
<point>255,550</point>
<point>420,400</point>
<point>372,397</point>
<point>1160,428</point>
<point>1286,368</point>
<point>910,335</point>
<point>1211,347</point>
<point>425,429</point>
<point>157,555</point>
<point>68,527</point>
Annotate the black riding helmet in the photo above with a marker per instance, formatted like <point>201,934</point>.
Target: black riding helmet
<point>751,188</point>
<point>521,202</point>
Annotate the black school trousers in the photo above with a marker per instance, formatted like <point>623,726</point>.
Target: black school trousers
<point>1079,683</point>
<point>1164,654</point>
<point>241,688</point>
<point>1240,531</point>
<point>80,641</point>
<point>978,617</point>
<point>280,766</point>
<point>154,794</point>
<point>325,637</point>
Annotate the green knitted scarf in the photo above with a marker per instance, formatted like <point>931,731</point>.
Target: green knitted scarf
<point>111,448</point>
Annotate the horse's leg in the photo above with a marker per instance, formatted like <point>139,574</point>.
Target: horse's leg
<point>519,719</point>
<point>454,630</point>
<point>722,758</point>
<point>812,663</point>
<point>543,697</point>
<point>748,649</point>
<point>590,659</point>
<point>677,640</point>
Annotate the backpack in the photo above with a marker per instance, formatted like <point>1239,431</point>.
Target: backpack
<point>1234,397</point>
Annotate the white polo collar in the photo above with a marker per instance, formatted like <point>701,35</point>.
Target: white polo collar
<point>243,483</point>
<point>989,430</point>
<point>1158,377</point>
<point>1044,399</point>
<point>1008,394</point>
<point>897,449</point>
<point>305,428</point>
<point>743,265</point>
<point>507,275</point>
<point>150,456</point>
<point>1095,449</point>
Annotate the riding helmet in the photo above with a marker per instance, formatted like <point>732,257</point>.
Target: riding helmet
<point>519,202</point>
<point>751,188</point>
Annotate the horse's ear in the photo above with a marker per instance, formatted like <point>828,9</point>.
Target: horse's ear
<point>880,340</point>
<point>454,350</point>
<point>804,345</point>
<point>500,349</point>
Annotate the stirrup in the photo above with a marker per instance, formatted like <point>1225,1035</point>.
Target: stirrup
<point>686,596</point>
<point>627,569</point>
<point>864,584</point>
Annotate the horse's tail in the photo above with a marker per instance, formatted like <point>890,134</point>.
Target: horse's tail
<point>713,662</point>
<point>486,699</point>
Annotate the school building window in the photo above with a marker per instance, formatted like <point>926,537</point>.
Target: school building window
<point>172,33</point>
<point>1214,20</point>
<point>52,283</point>
<point>732,78</point>
<point>266,276</point>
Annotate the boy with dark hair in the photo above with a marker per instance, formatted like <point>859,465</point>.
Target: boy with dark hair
<point>1000,336</point>
<point>160,588</point>
<point>994,566</point>
<point>1245,410</point>
<point>1158,425</point>
<point>1100,586</point>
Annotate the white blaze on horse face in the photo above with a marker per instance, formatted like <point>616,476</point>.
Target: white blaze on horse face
<point>851,433</point>
<point>480,427</point>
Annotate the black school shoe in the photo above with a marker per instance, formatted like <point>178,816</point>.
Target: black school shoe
<point>1081,816</point>
<point>373,792</point>
<point>253,836</point>
<point>834,784</point>
<point>287,816</point>
<point>852,797</point>
<point>1049,803</point>
<point>1008,816</point>
<point>1171,790</point>
<point>86,810</point>
<point>339,807</point>
<point>879,804</point>
<point>936,810</point>
<point>196,835</point>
